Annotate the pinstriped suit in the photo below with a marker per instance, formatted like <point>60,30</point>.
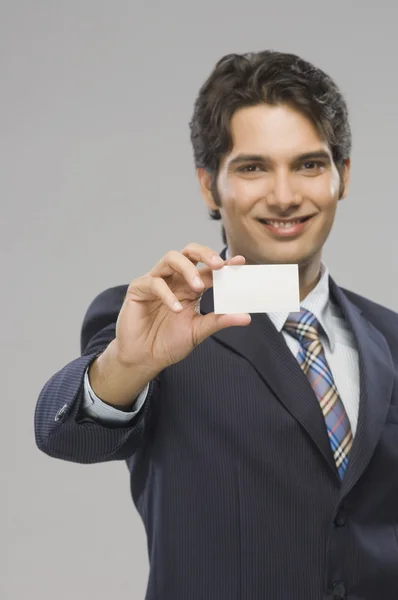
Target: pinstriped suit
<point>231,467</point>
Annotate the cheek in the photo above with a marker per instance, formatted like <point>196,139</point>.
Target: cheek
<point>238,195</point>
<point>322,190</point>
<point>334,187</point>
<point>334,184</point>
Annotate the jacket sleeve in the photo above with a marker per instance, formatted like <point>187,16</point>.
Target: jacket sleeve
<point>62,428</point>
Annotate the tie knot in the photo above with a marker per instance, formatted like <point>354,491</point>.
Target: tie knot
<point>304,326</point>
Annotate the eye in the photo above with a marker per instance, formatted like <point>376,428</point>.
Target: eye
<point>312,165</point>
<point>249,169</point>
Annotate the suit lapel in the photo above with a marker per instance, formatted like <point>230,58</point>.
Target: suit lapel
<point>265,348</point>
<point>376,371</point>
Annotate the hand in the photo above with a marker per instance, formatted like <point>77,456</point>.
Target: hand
<point>159,323</point>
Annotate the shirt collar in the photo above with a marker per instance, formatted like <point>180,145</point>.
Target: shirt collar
<point>318,302</point>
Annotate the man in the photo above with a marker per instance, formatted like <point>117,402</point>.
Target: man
<point>263,449</point>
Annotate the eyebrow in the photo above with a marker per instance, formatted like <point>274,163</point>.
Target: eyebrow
<point>315,155</point>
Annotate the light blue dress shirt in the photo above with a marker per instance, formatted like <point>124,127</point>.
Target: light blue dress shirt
<point>337,340</point>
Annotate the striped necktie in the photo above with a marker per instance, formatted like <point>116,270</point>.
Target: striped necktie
<point>305,328</point>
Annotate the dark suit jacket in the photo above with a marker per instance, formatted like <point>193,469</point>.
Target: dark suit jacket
<point>231,468</point>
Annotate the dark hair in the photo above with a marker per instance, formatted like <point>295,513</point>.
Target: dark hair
<point>241,80</point>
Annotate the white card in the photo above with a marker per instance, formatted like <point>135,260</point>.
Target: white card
<point>256,289</point>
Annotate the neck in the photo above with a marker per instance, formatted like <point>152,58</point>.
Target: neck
<point>309,275</point>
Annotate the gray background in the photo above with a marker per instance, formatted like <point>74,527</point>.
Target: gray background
<point>97,182</point>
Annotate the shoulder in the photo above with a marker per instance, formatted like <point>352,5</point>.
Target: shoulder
<point>383,318</point>
<point>109,300</point>
<point>102,312</point>
<point>369,306</point>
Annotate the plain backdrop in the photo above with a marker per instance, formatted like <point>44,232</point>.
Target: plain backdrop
<point>97,183</point>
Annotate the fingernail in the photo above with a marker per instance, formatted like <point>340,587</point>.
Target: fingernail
<point>177,305</point>
<point>198,282</point>
<point>217,259</point>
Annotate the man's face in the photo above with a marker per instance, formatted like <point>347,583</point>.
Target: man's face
<point>279,168</point>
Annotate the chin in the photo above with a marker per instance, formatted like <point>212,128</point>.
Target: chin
<point>295,254</point>
<point>281,258</point>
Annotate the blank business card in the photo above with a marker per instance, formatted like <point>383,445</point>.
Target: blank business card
<point>256,289</point>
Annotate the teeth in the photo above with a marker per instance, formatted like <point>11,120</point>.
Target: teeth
<point>282,225</point>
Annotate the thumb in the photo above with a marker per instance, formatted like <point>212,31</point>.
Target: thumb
<point>207,325</point>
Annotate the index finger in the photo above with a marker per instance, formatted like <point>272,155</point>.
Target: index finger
<point>209,257</point>
<point>206,273</point>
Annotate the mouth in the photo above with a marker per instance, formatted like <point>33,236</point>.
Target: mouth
<point>286,227</point>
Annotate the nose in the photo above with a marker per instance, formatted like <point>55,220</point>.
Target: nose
<point>281,195</point>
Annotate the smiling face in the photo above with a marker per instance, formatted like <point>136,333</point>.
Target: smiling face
<point>279,168</point>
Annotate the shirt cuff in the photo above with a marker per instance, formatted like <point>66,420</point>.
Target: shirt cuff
<point>96,408</point>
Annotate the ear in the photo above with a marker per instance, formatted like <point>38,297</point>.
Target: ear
<point>346,174</point>
<point>205,180</point>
